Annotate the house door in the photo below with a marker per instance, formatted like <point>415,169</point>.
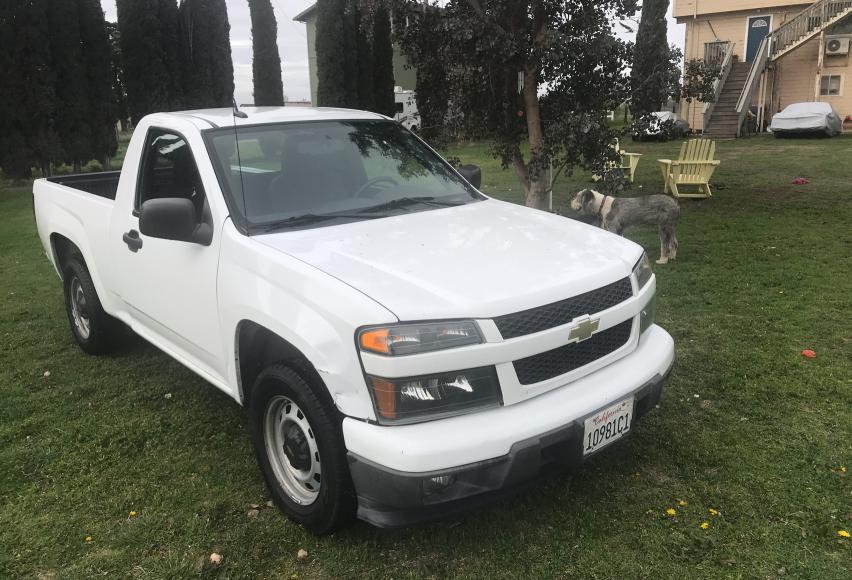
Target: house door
<point>759,28</point>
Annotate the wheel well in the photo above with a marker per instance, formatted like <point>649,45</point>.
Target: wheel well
<point>258,347</point>
<point>63,249</point>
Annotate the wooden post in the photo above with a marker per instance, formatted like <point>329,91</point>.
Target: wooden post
<point>819,65</point>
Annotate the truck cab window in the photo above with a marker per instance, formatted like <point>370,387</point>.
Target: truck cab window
<point>169,170</point>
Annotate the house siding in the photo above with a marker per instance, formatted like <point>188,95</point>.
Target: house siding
<point>797,77</point>
<point>311,29</point>
<point>690,8</point>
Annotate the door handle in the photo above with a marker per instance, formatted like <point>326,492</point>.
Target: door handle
<point>133,241</point>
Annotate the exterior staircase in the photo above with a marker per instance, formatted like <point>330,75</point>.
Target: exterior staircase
<point>807,24</point>
<point>724,121</point>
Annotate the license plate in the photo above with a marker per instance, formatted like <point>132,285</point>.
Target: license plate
<point>607,426</point>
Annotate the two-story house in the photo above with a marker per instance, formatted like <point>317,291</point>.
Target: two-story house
<point>772,52</point>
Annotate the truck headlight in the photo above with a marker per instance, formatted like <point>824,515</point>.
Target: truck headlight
<point>405,339</point>
<point>642,270</point>
<point>434,396</point>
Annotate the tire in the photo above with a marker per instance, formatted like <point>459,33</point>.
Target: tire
<point>95,331</point>
<point>299,445</point>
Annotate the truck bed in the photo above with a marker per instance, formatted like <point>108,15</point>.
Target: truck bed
<point>78,208</point>
<point>103,184</point>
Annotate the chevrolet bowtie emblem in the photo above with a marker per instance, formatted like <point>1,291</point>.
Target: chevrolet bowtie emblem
<point>584,330</point>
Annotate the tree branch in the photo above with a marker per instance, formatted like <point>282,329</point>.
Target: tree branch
<point>555,177</point>
<point>477,7</point>
<point>540,26</point>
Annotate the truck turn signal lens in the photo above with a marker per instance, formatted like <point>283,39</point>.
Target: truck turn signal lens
<point>376,340</point>
<point>385,395</point>
<point>403,339</point>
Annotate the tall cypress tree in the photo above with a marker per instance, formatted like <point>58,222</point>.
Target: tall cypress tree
<point>365,62</point>
<point>208,70</point>
<point>168,17</point>
<point>119,93</point>
<point>28,89</point>
<point>427,34</point>
<point>266,61</point>
<point>331,85</point>
<point>97,56</point>
<point>7,72</point>
<point>150,54</point>
<point>350,53</point>
<point>649,78</point>
<point>75,131</point>
<point>383,81</point>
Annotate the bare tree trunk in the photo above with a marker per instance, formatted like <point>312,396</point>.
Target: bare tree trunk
<point>537,194</point>
<point>537,185</point>
<point>520,168</point>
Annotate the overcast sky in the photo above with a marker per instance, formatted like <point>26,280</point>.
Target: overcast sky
<point>292,44</point>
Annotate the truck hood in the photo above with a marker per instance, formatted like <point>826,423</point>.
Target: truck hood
<point>479,260</point>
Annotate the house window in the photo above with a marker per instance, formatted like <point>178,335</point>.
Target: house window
<point>830,85</point>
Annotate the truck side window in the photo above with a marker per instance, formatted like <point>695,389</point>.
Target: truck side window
<point>169,170</point>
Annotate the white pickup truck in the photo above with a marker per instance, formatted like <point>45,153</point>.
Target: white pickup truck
<point>406,347</point>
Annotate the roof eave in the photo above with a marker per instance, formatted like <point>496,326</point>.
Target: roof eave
<point>303,15</point>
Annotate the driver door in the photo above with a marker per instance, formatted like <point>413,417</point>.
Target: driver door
<point>168,286</point>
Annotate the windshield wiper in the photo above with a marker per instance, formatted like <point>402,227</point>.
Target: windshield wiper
<point>311,218</point>
<point>367,213</point>
<point>407,201</point>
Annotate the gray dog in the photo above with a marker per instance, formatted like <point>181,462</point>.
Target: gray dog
<point>617,214</point>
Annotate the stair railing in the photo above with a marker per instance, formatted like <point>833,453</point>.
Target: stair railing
<point>758,65</point>
<point>719,83</point>
<point>807,23</point>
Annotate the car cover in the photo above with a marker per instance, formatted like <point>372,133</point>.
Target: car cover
<point>807,118</point>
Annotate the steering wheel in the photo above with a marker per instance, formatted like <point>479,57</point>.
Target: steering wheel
<point>373,182</point>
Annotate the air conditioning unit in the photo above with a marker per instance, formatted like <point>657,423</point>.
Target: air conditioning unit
<point>837,46</point>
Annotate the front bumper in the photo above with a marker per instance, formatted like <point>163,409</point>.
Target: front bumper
<point>407,474</point>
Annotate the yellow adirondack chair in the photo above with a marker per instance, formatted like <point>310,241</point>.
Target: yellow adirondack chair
<point>695,167</point>
<point>629,163</point>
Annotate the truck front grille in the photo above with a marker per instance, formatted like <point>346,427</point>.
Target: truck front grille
<point>565,359</point>
<point>564,311</point>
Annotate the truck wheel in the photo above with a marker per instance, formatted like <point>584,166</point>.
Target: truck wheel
<point>93,329</point>
<point>300,449</point>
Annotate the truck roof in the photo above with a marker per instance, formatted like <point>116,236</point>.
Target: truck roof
<point>224,117</point>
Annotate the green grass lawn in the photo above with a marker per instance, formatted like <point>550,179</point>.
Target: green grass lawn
<point>746,425</point>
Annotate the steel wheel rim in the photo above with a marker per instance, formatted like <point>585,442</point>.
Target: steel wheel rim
<point>283,425</point>
<point>79,310</point>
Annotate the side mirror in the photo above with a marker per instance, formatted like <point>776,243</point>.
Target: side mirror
<point>173,218</point>
<point>472,173</point>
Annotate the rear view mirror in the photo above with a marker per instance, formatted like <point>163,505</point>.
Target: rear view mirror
<point>472,173</point>
<point>173,218</point>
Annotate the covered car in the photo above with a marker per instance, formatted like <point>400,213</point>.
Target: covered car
<point>807,118</point>
<point>663,125</point>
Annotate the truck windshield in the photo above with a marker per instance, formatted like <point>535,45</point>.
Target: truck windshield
<point>298,175</point>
